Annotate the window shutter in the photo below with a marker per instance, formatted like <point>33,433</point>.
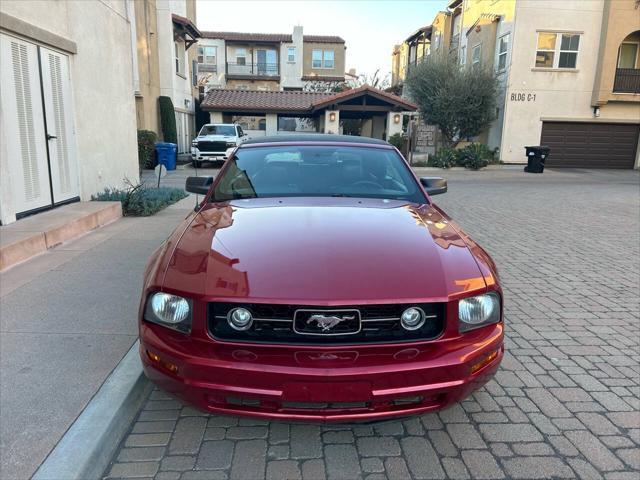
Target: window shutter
<point>24,98</point>
<point>194,72</point>
<point>60,123</point>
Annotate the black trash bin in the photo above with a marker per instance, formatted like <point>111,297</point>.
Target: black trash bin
<point>536,156</point>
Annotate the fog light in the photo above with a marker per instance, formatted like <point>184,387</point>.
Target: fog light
<point>412,318</point>
<point>240,319</point>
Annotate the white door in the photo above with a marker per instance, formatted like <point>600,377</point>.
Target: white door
<point>56,88</point>
<point>21,106</point>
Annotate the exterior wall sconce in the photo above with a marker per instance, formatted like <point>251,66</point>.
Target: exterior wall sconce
<point>332,117</point>
<point>396,118</point>
<point>596,112</point>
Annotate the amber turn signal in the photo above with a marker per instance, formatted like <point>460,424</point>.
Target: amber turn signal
<point>486,360</point>
<point>154,357</point>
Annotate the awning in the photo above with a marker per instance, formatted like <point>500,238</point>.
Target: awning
<point>185,29</point>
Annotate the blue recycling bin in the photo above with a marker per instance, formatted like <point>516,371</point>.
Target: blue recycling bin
<point>167,154</point>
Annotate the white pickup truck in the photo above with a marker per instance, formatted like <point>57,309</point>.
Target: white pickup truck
<point>214,142</point>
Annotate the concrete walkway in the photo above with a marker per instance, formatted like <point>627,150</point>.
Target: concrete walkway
<point>67,317</point>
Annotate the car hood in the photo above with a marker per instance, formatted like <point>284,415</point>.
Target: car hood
<point>322,251</point>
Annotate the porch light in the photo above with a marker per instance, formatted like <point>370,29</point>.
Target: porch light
<point>396,118</point>
<point>332,117</point>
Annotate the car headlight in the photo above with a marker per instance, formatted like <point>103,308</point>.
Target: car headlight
<point>170,311</point>
<point>478,311</point>
<point>194,143</point>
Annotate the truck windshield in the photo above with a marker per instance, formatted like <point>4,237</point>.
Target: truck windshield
<point>218,130</point>
<point>318,171</point>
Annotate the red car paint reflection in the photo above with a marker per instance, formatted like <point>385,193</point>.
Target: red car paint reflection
<point>326,253</point>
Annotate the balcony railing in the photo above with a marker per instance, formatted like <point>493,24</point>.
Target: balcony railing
<point>207,68</point>
<point>627,80</point>
<point>259,69</point>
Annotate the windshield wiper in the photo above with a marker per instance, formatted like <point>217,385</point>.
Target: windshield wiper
<point>341,195</point>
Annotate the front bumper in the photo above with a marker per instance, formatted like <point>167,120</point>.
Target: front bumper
<point>336,384</point>
<point>196,154</point>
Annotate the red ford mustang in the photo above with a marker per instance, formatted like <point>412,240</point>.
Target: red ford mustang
<point>316,280</point>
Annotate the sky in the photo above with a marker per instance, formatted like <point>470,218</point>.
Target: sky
<point>370,28</point>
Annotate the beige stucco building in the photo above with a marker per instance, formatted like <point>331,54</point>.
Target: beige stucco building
<point>165,35</point>
<point>68,123</point>
<point>568,73</point>
<point>269,61</point>
<point>566,85</point>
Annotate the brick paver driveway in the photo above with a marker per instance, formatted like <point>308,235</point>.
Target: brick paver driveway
<point>565,403</point>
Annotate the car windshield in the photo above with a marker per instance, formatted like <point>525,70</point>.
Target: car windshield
<point>218,130</point>
<point>317,171</point>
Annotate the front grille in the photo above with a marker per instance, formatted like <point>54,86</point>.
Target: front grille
<point>205,146</point>
<point>274,323</point>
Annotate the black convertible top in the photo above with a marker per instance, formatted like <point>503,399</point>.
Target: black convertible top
<point>315,137</point>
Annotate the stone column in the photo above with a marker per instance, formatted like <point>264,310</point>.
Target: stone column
<point>215,117</point>
<point>392,126</point>
<point>272,124</point>
<point>332,121</point>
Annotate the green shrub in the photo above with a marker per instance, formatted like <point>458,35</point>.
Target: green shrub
<point>444,158</point>
<point>146,148</point>
<point>139,201</point>
<point>475,156</point>
<point>396,140</point>
<point>495,156</point>
<point>168,120</point>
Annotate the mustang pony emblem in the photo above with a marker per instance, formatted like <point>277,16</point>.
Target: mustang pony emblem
<point>327,322</point>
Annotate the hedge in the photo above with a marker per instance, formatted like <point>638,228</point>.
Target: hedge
<point>168,120</point>
<point>146,148</point>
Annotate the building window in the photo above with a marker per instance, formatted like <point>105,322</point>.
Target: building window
<point>291,54</point>
<point>328,59</point>
<point>463,54</point>
<point>179,56</point>
<point>322,59</point>
<point>241,56</point>
<point>503,47</point>
<point>207,55</point>
<point>627,55</point>
<point>557,50</point>
<point>316,59</point>
<point>476,55</point>
<point>457,21</point>
<point>569,50</point>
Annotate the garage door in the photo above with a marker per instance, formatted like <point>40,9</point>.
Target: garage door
<point>590,145</point>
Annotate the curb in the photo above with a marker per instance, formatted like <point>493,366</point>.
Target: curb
<point>85,450</point>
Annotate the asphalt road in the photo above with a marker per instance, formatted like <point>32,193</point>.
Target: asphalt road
<point>565,403</point>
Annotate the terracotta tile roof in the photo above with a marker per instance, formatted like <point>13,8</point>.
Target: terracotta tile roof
<point>187,24</point>
<point>323,39</point>
<point>320,78</point>
<point>249,37</point>
<point>257,100</point>
<point>354,92</point>
<point>287,101</point>
<point>269,37</point>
